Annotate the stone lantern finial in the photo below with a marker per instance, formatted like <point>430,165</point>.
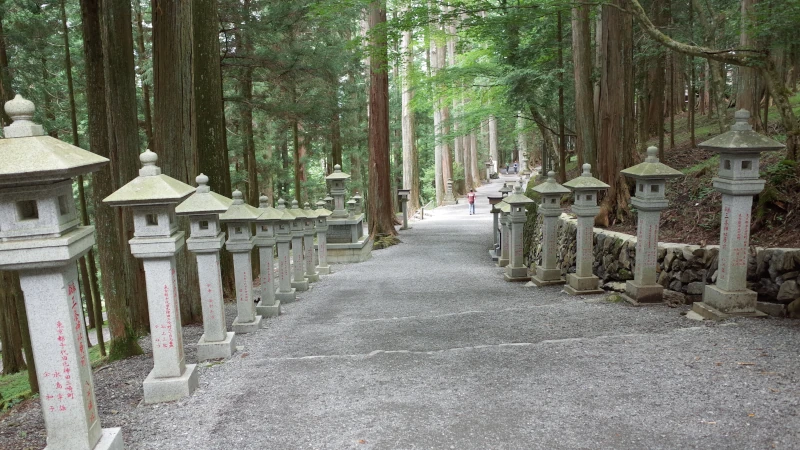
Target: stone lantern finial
<point>295,204</point>
<point>202,184</point>
<point>337,168</point>
<point>281,203</point>
<point>149,167</point>
<point>587,170</point>
<point>742,121</point>
<point>238,198</point>
<point>21,110</point>
<point>652,155</point>
<point>551,177</point>
<point>263,201</point>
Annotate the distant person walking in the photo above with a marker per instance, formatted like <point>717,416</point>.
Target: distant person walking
<point>471,201</point>
<point>516,167</point>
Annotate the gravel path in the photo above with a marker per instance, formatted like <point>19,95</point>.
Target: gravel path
<point>425,346</point>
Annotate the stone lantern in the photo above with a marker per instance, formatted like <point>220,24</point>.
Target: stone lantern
<point>41,238</point>
<point>328,202</point>
<point>203,209</point>
<point>156,240</point>
<point>359,208</point>
<point>516,270</point>
<point>299,280</point>
<point>585,188</point>
<point>404,194</point>
<point>739,152</point>
<point>651,180</point>
<point>494,200</point>
<point>308,243</point>
<point>239,220</point>
<point>267,222</point>
<point>505,233</point>
<point>337,180</point>
<point>505,190</point>
<point>321,228</point>
<point>550,209</point>
<point>283,235</point>
<point>488,171</point>
<point>351,209</point>
<point>449,199</point>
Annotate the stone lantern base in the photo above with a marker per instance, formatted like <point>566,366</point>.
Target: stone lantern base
<point>159,390</point>
<point>268,310</point>
<point>547,277</point>
<point>639,295</point>
<point>326,270</point>
<point>719,304</point>
<point>247,327</point>
<point>285,297</point>
<point>216,350</point>
<point>350,253</point>
<point>313,278</point>
<point>516,274</point>
<point>582,285</point>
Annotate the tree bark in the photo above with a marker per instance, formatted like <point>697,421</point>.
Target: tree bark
<point>173,118</point>
<point>410,166</point>
<point>6,90</point>
<point>748,96</point>
<point>142,52</point>
<point>10,333</point>
<point>433,64</point>
<point>381,214</point>
<point>562,144</point>
<point>113,133</point>
<point>584,95</point>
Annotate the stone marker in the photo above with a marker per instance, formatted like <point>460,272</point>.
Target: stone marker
<point>739,149</point>
<point>321,228</point>
<point>489,166</point>
<point>283,235</point>
<point>337,180</point>
<point>268,305</point>
<point>547,273</point>
<point>308,243</point>
<point>404,194</point>
<point>346,240</point>
<point>516,270</point>
<point>203,209</point>
<point>156,240</point>
<point>358,209</point>
<point>494,200</point>
<point>505,190</point>
<point>586,188</point>
<point>328,202</point>
<point>449,198</point>
<point>239,220</point>
<point>651,181</point>
<point>299,280</point>
<point>41,238</point>
<point>505,233</point>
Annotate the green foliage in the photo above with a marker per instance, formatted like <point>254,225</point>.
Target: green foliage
<point>780,172</point>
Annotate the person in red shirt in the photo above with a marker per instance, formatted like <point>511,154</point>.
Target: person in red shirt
<point>471,201</point>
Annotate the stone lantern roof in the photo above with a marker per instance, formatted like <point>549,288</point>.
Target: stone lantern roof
<point>296,211</point>
<point>518,198</point>
<point>310,213</point>
<point>321,211</point>
<point>504,207</point>
<point>741,138</point>
<point>151,187</point>
<point>551,186</point>
<point>651,168</point>
<point>586,182</point>
<point>285,213</point>
<point>328,198</point>
<point>239,211</point>
<point>268,213</point>
<point>357,197</point>
<point>505,189</point>
<point>338,174</point>
<point>203,201</point>
<point>28,156</point>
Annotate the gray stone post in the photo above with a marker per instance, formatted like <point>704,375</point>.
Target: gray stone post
<point>740,150</point>
<point>268,305</point>
<point>449,199</point>
<point>322,238</point>
<point>404,194</point>
<point>488,171</point>
<point>299,281</point>
<point>239,219</point>
<point>156,241</point>
<point>505,234</point>
<point>586,189</point>
<point>285,293</point>
<point>337,180</point>
<point>308,243</point>
<point>203,209</point>
<point>547,273</point>
<point>516,270</point>
<point>494,200</point>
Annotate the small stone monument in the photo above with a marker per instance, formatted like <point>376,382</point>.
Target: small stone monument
<point>516,270</point>
<point>489,166</point>
<point>739,152</point>
<point>494,200</point>
<point>308,243</point>
<point>321,228</point>
<point>206,240</point>
<point>299,280</point>
<point>239,220</point>
<point>586,188</point>
<point>404,194</point>
<point>651,181</point>
<point>267,222</point>
<point>505,190</point>
<point>41,238</point>
<point>359,202</point>
<point>283,235</point>
<point>328,202</point>
<point>156,240</point>
<point>505,233</point>
<point>550,209</point>
<point>346,240</point>
<point>449,198</point>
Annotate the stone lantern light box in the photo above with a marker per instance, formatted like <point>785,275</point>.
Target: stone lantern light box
<point>550,209</point>
<point>266,224</point>
<point>337,180</point>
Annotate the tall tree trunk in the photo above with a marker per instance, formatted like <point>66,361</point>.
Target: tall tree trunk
<point>206,23</point>
<point>6,90</point>
<point>173,118</point>
<point>142,54</point>
<point>381,214</point>
<point>493,148</point>
<point>113,133</point>
<point>584,104</point>
<point>447,160</point>
<point>616,124</point>
<point>10,333</point>
<point>410,166</point>
<point>433,64</point>
<point>562,142</point>
<point>748,96</point>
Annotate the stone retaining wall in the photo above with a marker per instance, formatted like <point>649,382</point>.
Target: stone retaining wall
<point>774,273</point>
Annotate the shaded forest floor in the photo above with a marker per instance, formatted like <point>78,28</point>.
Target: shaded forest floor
<point>693,215</point>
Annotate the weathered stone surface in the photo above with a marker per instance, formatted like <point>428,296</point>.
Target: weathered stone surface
<point>788,292</point>
<point>695,288</point>
<point>772,309</point>
<point>674,298</point>
<point>793,310</point>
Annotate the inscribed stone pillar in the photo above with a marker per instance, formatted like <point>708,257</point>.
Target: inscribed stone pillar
<point>268,305</point>
<point>322,240</point>
<point>299,281</point>
<point>308,243</point>
<point>505,234</point>
<point>285,293</point>
<point>547,273</point>
<point>516,270</point>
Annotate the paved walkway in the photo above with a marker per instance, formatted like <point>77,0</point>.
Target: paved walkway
<point>425,346</point>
